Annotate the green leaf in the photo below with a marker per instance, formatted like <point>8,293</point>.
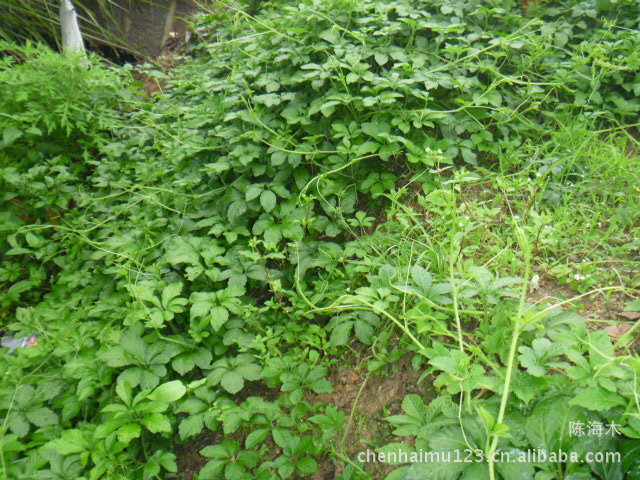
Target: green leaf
<point>534,358</point>
<point>41,417</point>
<point>256,437</point>
<point>133,344</point>
<point>168,392</point>
<point>156,422</point>
<point>114,357</point>
<point>70,441</point>
<point>225,449</point>
<point>232,382</point>
<point>478,471</point>
<point>219,316</point>
<point>186,361</point>
<point>282,438</point>
<point>487,419</point>
<point>123,390</point>
<point>170,292</point>
<point>128,432</point>
<point>413,405</point>
<point>381,58</point>
<point>250,371</point>
<point>167,460</point>
<point>548,425</point>
<point>307,465</point>
<point>253,191</point>
<point>180,250</point>
<point>268,200</point>
<point>212,470</point>
<point>191,425</point>
<point>340,334</point>
<point>10,135</point>
<point>286,470</point>
<point>395,451</point>
<point>597,399</point>
<point>19,424</point>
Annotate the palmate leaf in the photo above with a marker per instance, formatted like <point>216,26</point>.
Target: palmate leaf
<point>133,345</point>
<point>232,373</point>
<point>537,358</point>
<point>170,292</point>
<point>187,361</point>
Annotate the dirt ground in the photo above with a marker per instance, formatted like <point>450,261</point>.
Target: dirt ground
<point>364,399</point>
<point>370,398</point>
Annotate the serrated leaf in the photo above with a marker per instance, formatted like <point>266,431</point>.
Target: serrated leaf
<point>268,200</point>
<point>156,422</point>
<point>191,425</point>
<point>413,405</point>
<point>256,437</point>
<point>10,135</point>
<point>70,442</point>
<point>42,416</point>
<point>340,334</point>
<point>597,399</point>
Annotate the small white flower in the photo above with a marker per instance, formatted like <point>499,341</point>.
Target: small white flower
<point>578,278</point>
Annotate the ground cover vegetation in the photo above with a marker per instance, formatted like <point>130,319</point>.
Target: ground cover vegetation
<point>321,185</point>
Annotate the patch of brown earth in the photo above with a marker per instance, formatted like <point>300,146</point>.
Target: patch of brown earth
<point>597,306</point>
<point>366,400</point>
<point>188,455</point>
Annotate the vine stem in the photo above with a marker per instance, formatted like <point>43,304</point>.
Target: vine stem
<point>353,410</point>
<point>517,329</point>
<point>505,399</point>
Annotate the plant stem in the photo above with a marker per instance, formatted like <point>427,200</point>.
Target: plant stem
<point>517,329</point>
<point>353,409</point>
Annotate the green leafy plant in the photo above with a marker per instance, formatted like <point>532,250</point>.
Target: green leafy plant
<point>231,373</point>
<point>319,185</point>
<point>228,461</point>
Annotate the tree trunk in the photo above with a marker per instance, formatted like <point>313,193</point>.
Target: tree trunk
<point>71,36</point>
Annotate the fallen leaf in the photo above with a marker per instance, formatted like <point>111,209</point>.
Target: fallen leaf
<point>629,315</point>
<point>618,329</point>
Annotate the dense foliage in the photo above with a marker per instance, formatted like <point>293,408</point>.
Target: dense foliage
<point>294,191</point>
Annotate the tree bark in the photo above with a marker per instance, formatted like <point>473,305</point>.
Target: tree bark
<point>71,36</point>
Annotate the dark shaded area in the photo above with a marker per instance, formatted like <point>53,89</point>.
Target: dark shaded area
<point>142,27</point>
